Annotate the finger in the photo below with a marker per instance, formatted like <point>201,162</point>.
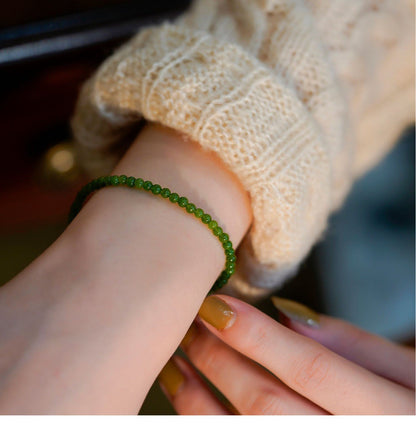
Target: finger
<point>397,363</point>
<point>250,388</point>
<point>328,380</point>
<point>186,391</point>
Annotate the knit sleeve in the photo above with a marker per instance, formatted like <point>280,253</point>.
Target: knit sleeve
<point>295,97</point>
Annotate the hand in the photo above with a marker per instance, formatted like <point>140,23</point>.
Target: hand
<point>319,365</point>
<point>73,324</point>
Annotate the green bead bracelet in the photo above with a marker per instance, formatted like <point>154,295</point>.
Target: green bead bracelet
<point>183,202</point>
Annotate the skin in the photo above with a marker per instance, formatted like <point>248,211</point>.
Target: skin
<point>87,327</point>
<point>334,369</point>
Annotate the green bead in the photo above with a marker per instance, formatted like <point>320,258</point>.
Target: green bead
<point>174,197</point>
<point>165,193</point>
<point>198,213</point>
<point>206,218</point>
<point>79,198</point>
<point>222,280</point>
<point>139,183</point>
<point>78,201</point>
<point>222,276</point>
<point>217,231</point>
<point>182,202</point>
<point>212,224</point>
<point>224,237</point>
<point>131,181</point>
<point>190,208</point>
<point>227,244</point>
<point>83,191</point>
<point>230,267</point>
<point>156,189</point>
<point>115,181</point>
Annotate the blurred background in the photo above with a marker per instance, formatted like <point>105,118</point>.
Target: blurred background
<point>362,271</point>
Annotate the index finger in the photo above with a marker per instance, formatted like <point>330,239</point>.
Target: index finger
<point>378,355</point>
<point>325,378</point>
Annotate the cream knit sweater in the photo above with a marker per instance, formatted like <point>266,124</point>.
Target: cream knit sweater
<point>298,97</point>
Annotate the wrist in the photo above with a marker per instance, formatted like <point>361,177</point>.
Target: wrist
<point>129,273</point>
<point>167,158</point>
<point>172,160</point>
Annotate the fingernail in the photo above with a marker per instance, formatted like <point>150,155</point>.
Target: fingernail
<point>217,313</point>
<point>189,336</point>
<point>171,377</point>
<point>296,311</point>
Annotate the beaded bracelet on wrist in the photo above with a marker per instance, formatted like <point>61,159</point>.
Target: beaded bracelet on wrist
<point>156,189</point>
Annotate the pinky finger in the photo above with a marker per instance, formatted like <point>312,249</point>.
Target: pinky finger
<point>186,391</point>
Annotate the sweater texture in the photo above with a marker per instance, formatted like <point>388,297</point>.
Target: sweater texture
<point>297,97</point>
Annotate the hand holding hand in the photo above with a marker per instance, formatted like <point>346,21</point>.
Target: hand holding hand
<point>317,364</point>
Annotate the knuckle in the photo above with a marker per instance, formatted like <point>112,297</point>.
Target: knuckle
<point>312,372</point>
<point>191,401</point>
<point>258,340</point>
<point>264,402</point>
<point>206,355</point>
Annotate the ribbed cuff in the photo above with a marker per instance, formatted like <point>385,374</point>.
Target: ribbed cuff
<point>232,104</point>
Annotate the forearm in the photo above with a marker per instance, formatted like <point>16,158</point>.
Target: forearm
<point>109,302</point>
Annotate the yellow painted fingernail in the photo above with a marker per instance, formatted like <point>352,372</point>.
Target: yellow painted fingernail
<point>217,313</point>
<point>189,336</point>
<point>296,311</point>
<point>171,378</point>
